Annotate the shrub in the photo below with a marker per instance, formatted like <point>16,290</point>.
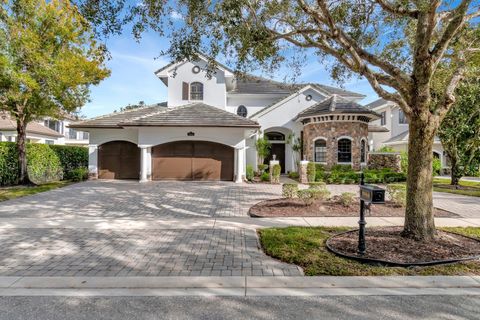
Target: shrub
<point>71,158</point>
<point>307,196</point>
<point>293,175</point>
<point>319,167</point>
<point>311,172</point>
<point>342,168</point>
<point>8,164</point>
<point>249,173</point>
<point>398,194</point>
<point>317,185</point>
<point>276,169</point>
<point>79,174</point>
<point>265,176</point>
<point>347,199</point>
<point>404,161</point>
<point>289,190</point>
<point>436,166</point>
<point>43,164</point>
<point>386,149</point>
<point>262,167</point>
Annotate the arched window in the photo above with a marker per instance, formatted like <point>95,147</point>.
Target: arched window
<point>363,151</point>
<point>196,91</point>
<point>344,150</point>
<point>320,150</point>
<point>242,111</point>
<point>275,136</point>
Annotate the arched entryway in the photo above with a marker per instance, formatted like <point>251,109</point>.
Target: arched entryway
<point>118,160</point>
<point>192,160</point>
<point>277,142</point>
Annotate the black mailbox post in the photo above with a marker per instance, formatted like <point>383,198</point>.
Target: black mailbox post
<point>368,194</point>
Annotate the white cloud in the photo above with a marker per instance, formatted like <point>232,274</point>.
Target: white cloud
<point>175,15</point>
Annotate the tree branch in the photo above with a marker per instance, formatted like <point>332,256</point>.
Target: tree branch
<point>397,10</point>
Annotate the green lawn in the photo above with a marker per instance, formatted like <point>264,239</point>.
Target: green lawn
<point>468,188</point>
<point>305,247</point>
<point>7,193</point>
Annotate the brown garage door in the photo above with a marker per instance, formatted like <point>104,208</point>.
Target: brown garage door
<point>118,160</point>
<point>192,160</point>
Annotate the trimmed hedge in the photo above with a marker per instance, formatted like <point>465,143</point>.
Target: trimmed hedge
<point>71,158</point>
<point>46,163</point>
<point>341,174</point>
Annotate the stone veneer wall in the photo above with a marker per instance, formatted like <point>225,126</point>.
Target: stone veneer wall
<point>380,160</point>
<point>332,131</point>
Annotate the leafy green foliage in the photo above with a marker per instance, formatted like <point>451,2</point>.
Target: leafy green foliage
<point>79,174</point>
<point>311,171</point>
<point>460,131</point>
<point>8,164</point>
<point>46,163</point>
<point>289,190</point>
<point>398,194</point>
<point>71,158</point>
<point>293,175</point>
<point>48,60</point>
<point>263,147</point>
<point>386,149</point>
<point>436,166</point>
<point>249,172</point>
<point>21,191</point>
<point>347,199</point>
<point>265,177</point>
<point>276,170</point>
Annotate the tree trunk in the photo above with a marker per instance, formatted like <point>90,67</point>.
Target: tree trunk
<point>455,172</point>
<point>22,152</point>
<point>419,223</point>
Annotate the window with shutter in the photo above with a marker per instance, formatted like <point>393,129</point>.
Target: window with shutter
<point>185,94</point>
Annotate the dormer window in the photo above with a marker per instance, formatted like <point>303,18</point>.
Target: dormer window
<point>196,91</point>
<point>242,111</point>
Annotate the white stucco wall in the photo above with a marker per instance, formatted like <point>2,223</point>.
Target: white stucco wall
<point>253,103</point>
<point>214,89</point>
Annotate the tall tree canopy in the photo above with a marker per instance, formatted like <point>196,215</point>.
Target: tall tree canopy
<point>399,46</point>
<point>48,60</point>
<point>460,131</point>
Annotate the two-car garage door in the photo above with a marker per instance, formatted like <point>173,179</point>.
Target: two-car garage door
<point>192,160</point>
<point>181,160</point>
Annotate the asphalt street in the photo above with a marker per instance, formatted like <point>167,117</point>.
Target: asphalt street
<point>211,308</point>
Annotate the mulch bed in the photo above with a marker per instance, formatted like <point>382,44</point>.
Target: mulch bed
<point>296,208</point>
<point>387,244</point>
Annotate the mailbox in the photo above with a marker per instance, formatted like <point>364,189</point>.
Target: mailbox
<point>372,194</point>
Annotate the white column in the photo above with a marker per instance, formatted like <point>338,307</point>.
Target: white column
<point>143,164</point>
<point>239,162</point>
<point>92,161</point>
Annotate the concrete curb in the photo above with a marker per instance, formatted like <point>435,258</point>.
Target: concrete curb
<point>239,286</point>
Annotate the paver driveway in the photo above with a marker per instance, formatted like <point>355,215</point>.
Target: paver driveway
<point>133,200</point>
<point>205,251</point>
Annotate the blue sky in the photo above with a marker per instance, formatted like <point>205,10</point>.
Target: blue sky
<point>133,80</point>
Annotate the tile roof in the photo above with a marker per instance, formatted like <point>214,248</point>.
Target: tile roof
<point>192,115</point>
<point>335,105</point>
<point>7,124</point>
<point>113,119</point>
<point>195,114</point>
<point>377,103</point>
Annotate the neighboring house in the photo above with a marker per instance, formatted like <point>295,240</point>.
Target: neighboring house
<point>48,131</point>
<point>208,127</point>
<point>36,133</point>
<point>396,135</point>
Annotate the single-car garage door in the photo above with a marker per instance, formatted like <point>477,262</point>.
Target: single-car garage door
<point>118,160</point>
<point>192,160</point>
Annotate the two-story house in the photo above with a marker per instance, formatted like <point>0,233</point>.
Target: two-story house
<point>395,136</point>
<point>47,131</point>
<point>208,127</point>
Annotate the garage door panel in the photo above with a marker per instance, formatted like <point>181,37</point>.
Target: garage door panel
<point>119,160</point>
<point>173,167</point>
<point>192,160</point>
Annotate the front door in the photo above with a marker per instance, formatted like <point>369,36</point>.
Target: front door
<point>277,149</point>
